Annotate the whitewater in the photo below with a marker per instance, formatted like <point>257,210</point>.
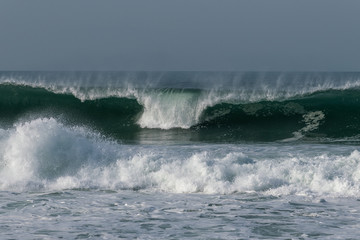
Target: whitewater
<point>173,155</point>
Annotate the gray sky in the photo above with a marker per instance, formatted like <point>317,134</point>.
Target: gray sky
<point>286,35</point>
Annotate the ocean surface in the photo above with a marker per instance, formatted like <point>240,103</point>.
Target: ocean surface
<point>175,155</point>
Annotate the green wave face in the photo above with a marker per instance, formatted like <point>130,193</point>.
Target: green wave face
<point>191,115</point>
<point>320,116</point>
<point>115,117</point>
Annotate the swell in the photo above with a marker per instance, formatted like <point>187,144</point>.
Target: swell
<point>191,115</point>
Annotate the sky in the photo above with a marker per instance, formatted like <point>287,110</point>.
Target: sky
<point>180,35</point>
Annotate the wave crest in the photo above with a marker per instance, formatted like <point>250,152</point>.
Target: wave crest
<point>191,114</point>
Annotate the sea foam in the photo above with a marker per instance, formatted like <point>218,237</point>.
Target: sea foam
<point>46,154</point>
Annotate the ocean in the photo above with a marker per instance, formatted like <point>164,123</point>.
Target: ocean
<point>174,155</point>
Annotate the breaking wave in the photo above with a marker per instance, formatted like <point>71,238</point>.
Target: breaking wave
<point>44,154</point>
<point>191,114</point>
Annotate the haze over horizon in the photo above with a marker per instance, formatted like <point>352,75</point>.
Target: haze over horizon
<point>202,35</point>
